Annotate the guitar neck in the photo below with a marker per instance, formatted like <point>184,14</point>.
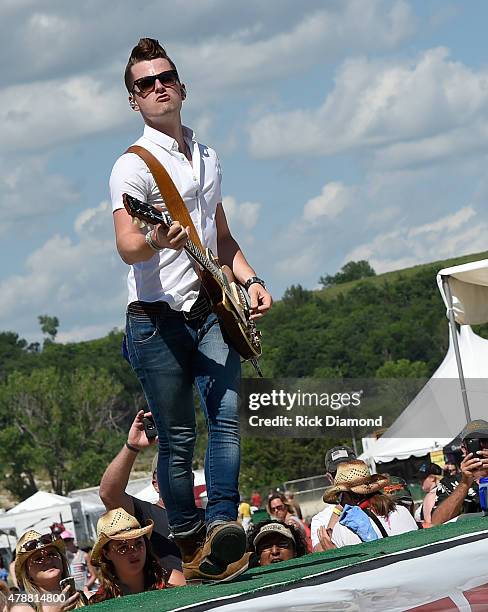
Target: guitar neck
<point>207,264</point>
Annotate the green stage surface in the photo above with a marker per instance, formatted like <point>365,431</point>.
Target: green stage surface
<point>283,575</point>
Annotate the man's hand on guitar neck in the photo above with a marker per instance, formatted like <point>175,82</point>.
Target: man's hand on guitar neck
<point>261,300</point>
<point>174,237</point>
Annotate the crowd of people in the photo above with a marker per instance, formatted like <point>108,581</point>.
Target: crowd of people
<point>134,551</point>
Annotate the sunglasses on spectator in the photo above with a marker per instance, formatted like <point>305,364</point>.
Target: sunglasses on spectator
<point>282,544</point>
<point>146,84</point>
<point>277,508</point>
<point>45,556</point>
<point>44,540</point>
<point>126,547</point>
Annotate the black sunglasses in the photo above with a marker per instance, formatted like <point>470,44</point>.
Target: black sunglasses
<point>146,84</point>
<point>44,540</point>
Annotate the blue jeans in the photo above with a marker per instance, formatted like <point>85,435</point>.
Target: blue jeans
<point>169,354</point>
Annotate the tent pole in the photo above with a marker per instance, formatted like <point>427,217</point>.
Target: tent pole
<point>452,323</point>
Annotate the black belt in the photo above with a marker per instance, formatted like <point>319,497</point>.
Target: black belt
<point>201,308</point>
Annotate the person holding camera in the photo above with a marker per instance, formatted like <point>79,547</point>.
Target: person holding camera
<point>459,494</point>
<point>113,495</point>
<point>42,572</point>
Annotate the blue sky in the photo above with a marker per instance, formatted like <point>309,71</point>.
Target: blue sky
<point>348,129</point>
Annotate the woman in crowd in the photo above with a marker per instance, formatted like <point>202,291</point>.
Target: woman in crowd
<point>273,541</point>
<point>123,553</point>
<point>279,509</point>
<point>363,511</point>
<point>40,566</point>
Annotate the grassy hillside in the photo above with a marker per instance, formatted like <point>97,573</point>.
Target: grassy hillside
<point>405,273</point>
<point>353,329</point>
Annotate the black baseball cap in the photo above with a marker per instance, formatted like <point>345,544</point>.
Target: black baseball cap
<point>430,469</point>
<point>475,429</point>
<point>337,455</point>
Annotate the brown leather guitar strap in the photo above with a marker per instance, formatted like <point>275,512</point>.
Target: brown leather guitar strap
<point>171,196</point>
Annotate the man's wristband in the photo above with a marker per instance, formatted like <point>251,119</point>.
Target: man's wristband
<point>132,448</point>
<point>252,280</point>
<point>150,241</point>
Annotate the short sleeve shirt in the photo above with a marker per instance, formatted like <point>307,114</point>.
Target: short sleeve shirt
<point>169,275</point>
<point>447,485</point>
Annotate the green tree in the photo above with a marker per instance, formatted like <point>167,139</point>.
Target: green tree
<point>296,295</point>
<point>403,368</point>
<point>353,270</point>
<point>49,326</point>
<point>62,426</point>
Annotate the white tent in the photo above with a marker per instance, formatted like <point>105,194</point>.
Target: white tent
<point>40,499</point>
<point>468,286</point>
<point>436,416</point>
<point>41,510</point>
<point>464,290</point>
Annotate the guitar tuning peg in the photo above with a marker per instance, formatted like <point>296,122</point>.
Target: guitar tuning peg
<point>141,223</point>
<point>135,220</point>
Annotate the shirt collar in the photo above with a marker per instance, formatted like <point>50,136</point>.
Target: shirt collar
<point>165,141</point>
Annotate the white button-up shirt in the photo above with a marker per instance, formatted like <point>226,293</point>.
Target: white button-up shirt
<point>169,275</point>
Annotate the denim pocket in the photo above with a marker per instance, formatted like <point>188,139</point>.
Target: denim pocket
<point>143,328</point>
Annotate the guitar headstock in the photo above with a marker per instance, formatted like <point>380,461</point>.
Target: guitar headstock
<point>144,213</point>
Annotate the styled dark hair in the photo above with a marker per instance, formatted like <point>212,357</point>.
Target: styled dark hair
<point>146,49</point>
<point>296,532</point>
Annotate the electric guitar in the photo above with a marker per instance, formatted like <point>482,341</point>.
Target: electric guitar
<point>229,300</point>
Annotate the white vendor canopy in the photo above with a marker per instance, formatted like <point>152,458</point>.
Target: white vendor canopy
<point>469,290</point>
<point>464,290</point>
<point>42,509</point>
<point>434,417</point>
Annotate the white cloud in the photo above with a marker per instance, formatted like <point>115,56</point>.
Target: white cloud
<point>446,224</point>
<point>461,232</point>
<point>244,59</point>
<point>29,192</point>
<point>80,280</point>
<point>426,109</point>
<point>242,216</point>
<point>335,197</point>
<point>79,333</point>
<point>43,114</point>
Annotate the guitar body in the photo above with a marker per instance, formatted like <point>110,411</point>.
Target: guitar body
<point>231,321</point>
<point>229,299</point>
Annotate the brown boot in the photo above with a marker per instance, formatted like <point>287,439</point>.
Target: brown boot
<point>224,545</point>
<point>193,573</point>
<point>190,545</point>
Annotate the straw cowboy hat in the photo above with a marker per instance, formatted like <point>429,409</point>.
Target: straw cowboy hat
<point>354,476</point>
<point>117,525</point>
<point>31,542</point>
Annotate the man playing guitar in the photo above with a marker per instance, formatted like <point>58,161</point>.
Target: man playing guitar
<point>173,339</point>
